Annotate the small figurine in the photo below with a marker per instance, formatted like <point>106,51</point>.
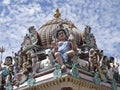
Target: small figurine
<point>96,78</point>
<point>5,71</point>
<point>34,38</point>
<point>31,80</point>
<point>74,71</point>
<point>86,35</point>
<point>57,72</point>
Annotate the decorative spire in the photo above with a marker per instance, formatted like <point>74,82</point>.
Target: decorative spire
<point>57,13</point>
<point>2,49</point>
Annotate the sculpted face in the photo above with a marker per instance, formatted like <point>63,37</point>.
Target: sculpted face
<point>8,61</point>
<point>61,35</point>
<point>33,30</point>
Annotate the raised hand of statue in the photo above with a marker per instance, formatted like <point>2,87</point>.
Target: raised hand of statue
<point>54,45</point>
<point>73,44</point>
<point>71,38</point>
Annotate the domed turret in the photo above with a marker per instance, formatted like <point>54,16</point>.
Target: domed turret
<point>45,31</point>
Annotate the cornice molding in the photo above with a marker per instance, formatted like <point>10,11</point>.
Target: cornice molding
<point>70,82</point>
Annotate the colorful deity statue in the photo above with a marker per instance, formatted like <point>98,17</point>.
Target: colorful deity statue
<point>64,47</point>
<point>26,45</point>
<point>113,69</point>
<point>21,76</point>
<point>5,71</point>
<point>92,42</point>
<point>87,34</point>
<point>31,41</point>
<point>9,79</point>
<point>34,37</point>
<point>94,60</point>
<point>89,39</point>
<point>104,68</point>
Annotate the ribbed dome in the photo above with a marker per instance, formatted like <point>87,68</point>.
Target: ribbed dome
<point>45,31</point>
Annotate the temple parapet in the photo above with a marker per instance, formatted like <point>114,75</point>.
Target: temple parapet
<point>46,81</point>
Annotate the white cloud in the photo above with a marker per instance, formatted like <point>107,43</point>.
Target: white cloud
<point>6,2</point>
<point>102,16</point>
<point>22,1</point>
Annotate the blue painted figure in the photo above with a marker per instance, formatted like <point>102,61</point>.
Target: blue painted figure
<point>65,47</point>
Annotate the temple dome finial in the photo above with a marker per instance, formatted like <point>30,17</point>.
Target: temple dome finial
<point>57,13</point>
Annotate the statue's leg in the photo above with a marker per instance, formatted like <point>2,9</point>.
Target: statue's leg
<point>71,53</point>
<point>59,59</point>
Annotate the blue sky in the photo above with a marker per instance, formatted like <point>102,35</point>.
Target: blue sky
<point>102,15</point>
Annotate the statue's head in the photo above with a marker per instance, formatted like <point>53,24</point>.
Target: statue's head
<point>111,59</point>
<point>88,29</point>
<point>59,32</point>
<point>31,28</point>
<point>8,61</point>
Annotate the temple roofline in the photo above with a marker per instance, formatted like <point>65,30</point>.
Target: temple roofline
<point>65,81</point>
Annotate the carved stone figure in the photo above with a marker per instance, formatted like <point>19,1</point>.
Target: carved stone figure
<point>34,37</point>
<point>35,65</point>
<point>92,42</point>
<point>21,77</point>
<point>87,35</point>
<point>74,71</point>
<point>5,71</point>
<point>31,80</point>
<point>26,45</point>
<point>57,73</point>
<point>96,78</point>
<point>112,69</point>
<point>104,69</point>
<point>91,55</point>
<point>63,47</point>
<point>49,59</point>
<point>9,79</point>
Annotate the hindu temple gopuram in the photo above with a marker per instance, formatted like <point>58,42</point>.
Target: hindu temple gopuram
<point>58,56</point>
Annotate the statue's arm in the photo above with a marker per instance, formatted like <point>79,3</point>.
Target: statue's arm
<point>73,42</point>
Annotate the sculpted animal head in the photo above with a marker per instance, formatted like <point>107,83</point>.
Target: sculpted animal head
<point>48,52</point>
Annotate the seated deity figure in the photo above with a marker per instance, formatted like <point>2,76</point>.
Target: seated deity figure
<point>91,55</point>
<point>21,76</point>
<point>34,37</point>
<point>65,46</point>
<point>5,71</point>
<point>113,69</point>
<point>26,45</point>
<point>31,40</point>
<point>35,65</point>
<point>89,39</point>
<point>104,68</point>
<point>10,78</point>
<point>86,35</point>
<point>94,62</point>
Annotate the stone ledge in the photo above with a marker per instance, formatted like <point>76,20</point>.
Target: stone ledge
<point>66,81</point>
